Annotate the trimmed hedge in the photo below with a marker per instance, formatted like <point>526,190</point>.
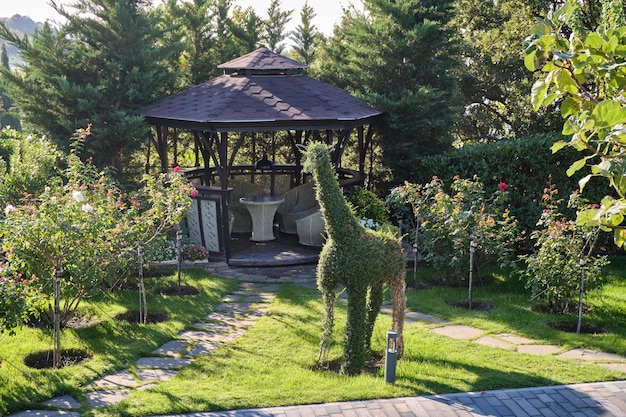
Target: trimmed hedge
<point>525,165</point>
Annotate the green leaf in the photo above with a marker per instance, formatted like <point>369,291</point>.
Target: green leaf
<point>594,40</point>
<point>583,181</point>
<point>587,217</point>
<point>608,113</point>
<point>569,106</point>
<point>564,55</point>
<point>576,166</point>
<point>619,236</point>
<point>539,91</point>
<point>557,146</point>
<point>530,58</point>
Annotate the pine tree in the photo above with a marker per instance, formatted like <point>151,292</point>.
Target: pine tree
<point>275,27</point>
<point>6,119</point>
<point>305,36</point>
<point>399,56</point>
<point>97,69</point>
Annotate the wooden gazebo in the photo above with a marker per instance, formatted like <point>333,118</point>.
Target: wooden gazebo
<point>258,92</point>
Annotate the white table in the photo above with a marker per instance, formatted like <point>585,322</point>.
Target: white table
<point>262,210</point>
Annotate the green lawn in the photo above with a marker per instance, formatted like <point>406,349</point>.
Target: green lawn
<point>271,364</point>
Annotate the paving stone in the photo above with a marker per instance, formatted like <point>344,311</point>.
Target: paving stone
<point>614,366</point>
<point>214,327</point>
<point>234,335</point>
<point>423,317</point>
<point>516,340</point>
<point>459,331</point>
<point>256,299</point>
<point>155,375</point>
<point>65,401</point>
<point>590,355</point>
<point>221,316</point>
<point>494,342</point>
<point>116,380</point>
<point>162,363</point>
<point>99,399</point>
<point>199,335</point>
<point>538,349</point>
<point>203,347</point>
<point>235,307</point>
<point>45,413</point>
<point>171,348</point>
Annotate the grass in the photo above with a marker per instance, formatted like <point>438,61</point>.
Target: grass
<point>113,344</point>
<point>271,364</point>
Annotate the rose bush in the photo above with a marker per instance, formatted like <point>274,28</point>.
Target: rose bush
<point>449,221</point>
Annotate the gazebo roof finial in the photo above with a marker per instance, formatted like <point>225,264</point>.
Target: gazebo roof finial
<point>262,61</point>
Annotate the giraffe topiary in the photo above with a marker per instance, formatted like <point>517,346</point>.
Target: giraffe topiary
<point>360,259</point>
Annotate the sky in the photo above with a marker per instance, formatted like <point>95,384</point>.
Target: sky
<point>328,12</point>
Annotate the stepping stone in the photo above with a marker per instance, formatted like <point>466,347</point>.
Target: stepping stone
<point>516,340</point>
<point>614,366</point>
<point>591,355</point>
<point>221,316</point>
<point>230,299</point>
<point>65,401</point>
<point>98,399</point>
<point>162,363</point>
<point>199,335</point>
<point>494,342</point>
<point>116,380</point>
<point>256,299</point>
<point>171,348</point>
<point>539,349</point>
<point>234,335</point>
<point>214,327</point>
<point>258,313</point>
<point>203,347</point>
<point>155,375</point>
<point>45,413</point>
<point>235,307</point>
<point>245,323</point>
<point>423,317</point>
<point>459,331</point>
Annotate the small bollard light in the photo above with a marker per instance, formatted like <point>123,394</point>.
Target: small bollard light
<point>391,357</point>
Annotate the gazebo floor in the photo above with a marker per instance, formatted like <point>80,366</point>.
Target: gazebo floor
<point>285,250</point>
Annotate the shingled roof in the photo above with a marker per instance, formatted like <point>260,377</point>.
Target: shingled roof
<point>261,91</point>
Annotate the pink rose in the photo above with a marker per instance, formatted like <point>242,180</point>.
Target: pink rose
<point>176,169</point>
<point>194,193</point>
<point>502,186</point>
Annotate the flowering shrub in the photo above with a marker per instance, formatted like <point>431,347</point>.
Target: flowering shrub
<point>83,225</point>
<point>449,221</point>
<point>191,252</point>
<point>553,272</point>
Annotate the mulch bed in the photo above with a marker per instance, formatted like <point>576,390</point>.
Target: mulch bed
<point>132,316</point>
<point>69,357</point>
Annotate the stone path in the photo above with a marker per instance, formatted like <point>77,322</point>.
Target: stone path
<point>240,310</point>
<point>237,312</point>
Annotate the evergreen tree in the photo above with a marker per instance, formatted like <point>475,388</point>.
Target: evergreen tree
<point>98,68</point>
<point>275,27</point>
<point>6,119</point>
<point>399,56</point>
<point>305,36</point>
<point>247,29</point>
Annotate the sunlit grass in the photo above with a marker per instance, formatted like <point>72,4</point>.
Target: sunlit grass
<point>273,363</point>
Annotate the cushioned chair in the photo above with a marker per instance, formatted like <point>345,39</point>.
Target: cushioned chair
<point>299,202</point>
<point>311,229</point>
<point>241,220</point>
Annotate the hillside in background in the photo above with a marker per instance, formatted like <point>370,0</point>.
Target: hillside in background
<point>22,25</point>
